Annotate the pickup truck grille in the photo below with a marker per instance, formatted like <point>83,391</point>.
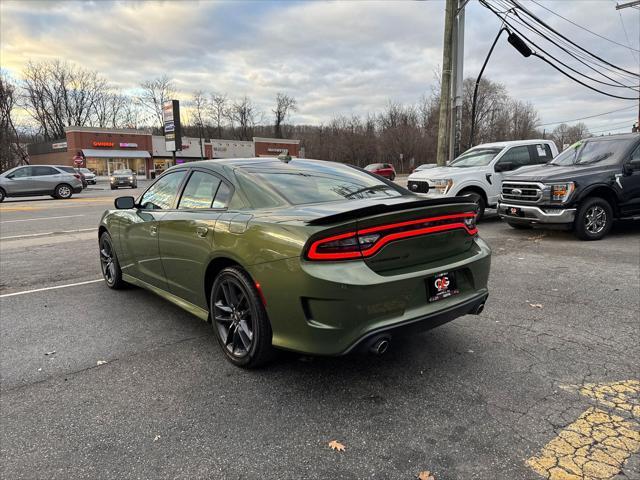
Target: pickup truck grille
<point>524,192</point>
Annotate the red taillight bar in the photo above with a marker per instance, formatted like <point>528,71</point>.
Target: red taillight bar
<point>314,254</point>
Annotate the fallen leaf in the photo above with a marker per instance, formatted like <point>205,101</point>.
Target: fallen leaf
<point>426,475</point>
<point>535,305</point>
<point>157,437</point>
<point>101,362</point>
<point>52,352</point>
<point>336,445</point>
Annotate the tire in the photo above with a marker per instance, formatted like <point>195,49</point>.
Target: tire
<point>478,200</point>
<point>520,226</point>
<point>109,264</point>
<point>2,195</point>
<point>392,177</point>
<point>594,219</point>
<point>239,319</point>
<point>63,191</point>
<point>113,188</point>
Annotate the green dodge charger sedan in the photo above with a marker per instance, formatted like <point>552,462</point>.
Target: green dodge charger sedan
<point>305,255</point>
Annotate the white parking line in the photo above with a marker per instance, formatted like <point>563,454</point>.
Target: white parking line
<point>44,234</point>
<point>40,218</point>
<point>50,288</point>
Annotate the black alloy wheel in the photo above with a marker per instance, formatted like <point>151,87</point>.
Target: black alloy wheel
<point>239,319</point>
<point>109,263</point>
<point>594,219</point>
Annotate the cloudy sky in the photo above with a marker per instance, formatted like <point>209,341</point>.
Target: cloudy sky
<point>333,57</point>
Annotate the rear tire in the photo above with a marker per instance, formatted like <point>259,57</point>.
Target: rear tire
<point>519,226</point>
<point>114,188</point>
<point>393,177</point>
<point>239,319</point>
<point>478,200</point>
<point>63,191</point>
<point>594,219</point>
<point>2,195</point>
<point>109,264</point>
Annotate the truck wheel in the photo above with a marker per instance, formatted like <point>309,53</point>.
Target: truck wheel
<point>520,226</point>
<point>478,200</point>
<point>594,219</point>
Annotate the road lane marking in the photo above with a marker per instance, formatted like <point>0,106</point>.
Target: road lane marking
<point>44,234</point>
<point>24,292</point>
<point>71,203</point>
<point>41,218</point>
<point>598,443</point>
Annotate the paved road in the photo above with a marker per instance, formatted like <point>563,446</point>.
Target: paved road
<point>475,398</point>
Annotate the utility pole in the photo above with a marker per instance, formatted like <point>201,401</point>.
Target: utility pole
<point>620,6</point>
<point>445,83</point>
<point>457,36</point>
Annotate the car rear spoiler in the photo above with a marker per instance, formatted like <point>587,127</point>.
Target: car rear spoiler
<point>386,208</point>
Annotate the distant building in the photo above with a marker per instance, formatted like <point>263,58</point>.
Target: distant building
<point>108,149</point>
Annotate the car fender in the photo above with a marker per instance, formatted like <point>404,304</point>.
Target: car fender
<point>467,183</point>
<point>587,191</point>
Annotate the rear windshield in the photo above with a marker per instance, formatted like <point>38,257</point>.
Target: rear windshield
<point>321,182</point>
<point>593,151</point>
<point>476,157</point>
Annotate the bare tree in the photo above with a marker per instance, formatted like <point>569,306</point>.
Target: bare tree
<point>245,115</point>
<point>219,111</point>
<point>199,106</point>
<point>565,135</point>
<point>154,93</point>
<point>12,153</point>
<point>110,109</point>
<point>284,106</point>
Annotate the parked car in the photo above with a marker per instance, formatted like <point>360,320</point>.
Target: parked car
<point>35,180</point>
<point>311,256</point>
<point>123,178</point>
<point>385,170</point>
<point>584,188</point>
<point>478,172</point>
<point>89,176</point>
<point>75,172</point>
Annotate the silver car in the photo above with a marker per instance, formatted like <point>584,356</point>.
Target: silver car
<point>33,180</point>
<point>89,175</point>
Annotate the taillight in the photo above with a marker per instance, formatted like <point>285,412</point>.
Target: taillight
<point>366,242</point>
<point>77,176</point>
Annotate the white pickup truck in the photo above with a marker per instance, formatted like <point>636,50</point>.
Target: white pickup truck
<point>478,172</point>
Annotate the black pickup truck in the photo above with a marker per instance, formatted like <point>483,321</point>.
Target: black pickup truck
<point>584,188</point>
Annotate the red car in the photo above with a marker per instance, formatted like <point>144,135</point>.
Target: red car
<point>385,170</point>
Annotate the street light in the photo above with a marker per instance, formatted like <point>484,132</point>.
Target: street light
<point>519,45</point>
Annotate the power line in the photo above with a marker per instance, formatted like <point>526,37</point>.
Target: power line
<point>586,29</point>
<point>586,118</point>
<point>626,35</point>
<point>544,24</point>
<point>615,127</point>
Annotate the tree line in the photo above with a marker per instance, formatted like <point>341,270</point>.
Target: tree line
<point>54,94</point>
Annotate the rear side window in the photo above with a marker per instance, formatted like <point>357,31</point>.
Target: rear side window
<point>223,195</point>
<point>41,171</point>
<point>200,191</point>
<point>68,169</point>
<point>162,194</point>
<point>519,156</point>
<point>543,152</point>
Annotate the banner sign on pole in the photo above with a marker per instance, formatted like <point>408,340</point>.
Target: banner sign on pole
<point>172,127</point>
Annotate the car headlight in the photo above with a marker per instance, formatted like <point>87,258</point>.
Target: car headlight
<point>442,185</point>
<point>112,179</point>
<point>560,192</point>
<point>131,179</point>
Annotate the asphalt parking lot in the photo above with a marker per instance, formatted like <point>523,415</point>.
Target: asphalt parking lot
<point>121,384</point>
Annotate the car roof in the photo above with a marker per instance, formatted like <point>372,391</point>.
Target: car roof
<point>511,143</point>
<point>253,162</point>
<point>618,136</point>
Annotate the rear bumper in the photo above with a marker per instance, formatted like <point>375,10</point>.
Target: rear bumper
<point>533,215</point>
<point>331,308</point>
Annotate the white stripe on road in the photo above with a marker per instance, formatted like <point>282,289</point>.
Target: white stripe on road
<point>51,288</point>
<point>40,218</point>
<point>44,234</point>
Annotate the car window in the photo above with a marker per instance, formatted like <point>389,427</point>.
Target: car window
<point>200,191</point>
<point>543,152</point>
<point>22,172</point>
<point>68,169</point>
<point>41,171</point>
<point>223,196</point>
<point>519,156</point>
<point>162,194</point>
<point>635,156</point>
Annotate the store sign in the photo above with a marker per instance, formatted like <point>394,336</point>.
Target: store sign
<point>58,145</point>
<point>128,145</point>
<point>103,144</point>
<point>172,128</point>
<point>278,150</point>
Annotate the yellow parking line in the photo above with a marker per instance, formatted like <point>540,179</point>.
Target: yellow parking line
<point>597,444</point>
<point>77,202</point>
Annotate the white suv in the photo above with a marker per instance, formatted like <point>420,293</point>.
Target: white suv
<point>477,173</point>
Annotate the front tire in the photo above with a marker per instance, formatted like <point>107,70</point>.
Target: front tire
<point>2,195</point>
<point>239,319</point>
<point>594,219</point>
<point>109,264</point>
<point>63,191</point>
<point>478,200</point>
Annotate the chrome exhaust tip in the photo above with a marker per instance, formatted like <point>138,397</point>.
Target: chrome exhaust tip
<point>380,346</point>
<point>478,310</point>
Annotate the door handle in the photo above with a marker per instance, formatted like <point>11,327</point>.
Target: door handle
<point>153,230</point>
<point>202,231</point>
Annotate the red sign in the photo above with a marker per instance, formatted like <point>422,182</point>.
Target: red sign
<point>78,161</point>
<point>103,144</point>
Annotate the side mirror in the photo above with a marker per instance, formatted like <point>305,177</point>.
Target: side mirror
<point>125,203</point>
<point>504,166</point>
